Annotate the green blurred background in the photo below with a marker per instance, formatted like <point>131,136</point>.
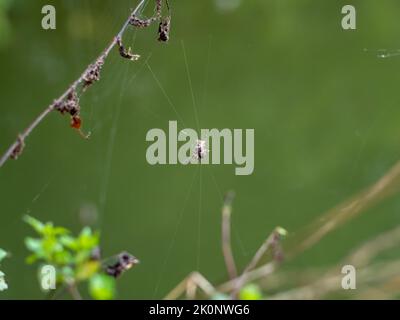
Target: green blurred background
<point>325,113</point>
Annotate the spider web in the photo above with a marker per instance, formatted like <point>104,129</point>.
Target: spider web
<point>198,173</point>
<point>121,81</point>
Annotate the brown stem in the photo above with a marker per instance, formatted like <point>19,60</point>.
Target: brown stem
<point>226,236</point>
<point>189,286</point>
<point>269,243</point>
<point>74,292</point>
<point>16,148</point>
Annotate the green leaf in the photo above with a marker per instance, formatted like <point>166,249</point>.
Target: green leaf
<point>51,245</point>
<point>3,284</point>
<point>35,224</point>
<point>86,232</point>
<point>69,242</point>
<point>71,256</point>
<point>34,245</point>
<point>87,270</point>
<point>102,287</point>
<point>48,229</point>
<point>3,254</point>
<point>51,231</point>
<point>58,231</point>
<point>63,257</point>
<point>81,257</point>
<point>250,292</point>
<point>88,240</point>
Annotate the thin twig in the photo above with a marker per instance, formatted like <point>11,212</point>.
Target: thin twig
<point>73,291</point>
<point>360,258</point>
<point>254,275</point>
<point>385,187</point>
<point>366,276</point>
<point>369,250</point>
<point>90,75</point>
<point>189,285</point>
<point>226,236</point>
<point>270,243</point>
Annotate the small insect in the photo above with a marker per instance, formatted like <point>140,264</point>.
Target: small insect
<point>76,123</point>
<point>200,150</point>
<point>127,54</point>
<point>164,29</point>
<point>124,262</point>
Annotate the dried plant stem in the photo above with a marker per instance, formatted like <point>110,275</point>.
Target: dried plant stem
<point>87,78</point>
<point>369,250</point>
<point>366,277</point>
<point>189,285</point>
<point>259,254</point>
<point>385,187</point>
<point>269,243</point>
<point>226,236</point>
<point>250,276</point>
<point>74,292</point>
<point>359,258</point>
<point>366,274</point>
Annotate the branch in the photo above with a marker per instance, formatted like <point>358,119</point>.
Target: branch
<point>189,286</point>
<point>273,243</point>
<point>385,187</point>
<point>370,249</point>
<point>360,258</point>
<point>251,276</point>
<point>68,102</point>
<point>366,276</point>
<point>74,291</point>
<point>226,236</point>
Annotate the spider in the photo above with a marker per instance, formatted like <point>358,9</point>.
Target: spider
<point>200,150</point>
